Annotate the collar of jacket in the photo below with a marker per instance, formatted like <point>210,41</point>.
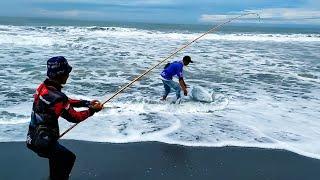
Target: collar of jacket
<point>51,83</point>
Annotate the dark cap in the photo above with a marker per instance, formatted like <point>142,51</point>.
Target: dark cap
<point>58,66</point>
<point>187,59</point>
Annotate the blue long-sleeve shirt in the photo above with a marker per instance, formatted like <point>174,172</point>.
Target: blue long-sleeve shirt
<point>174,69</point>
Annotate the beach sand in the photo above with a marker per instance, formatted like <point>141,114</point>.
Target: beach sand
<point>159,161</point>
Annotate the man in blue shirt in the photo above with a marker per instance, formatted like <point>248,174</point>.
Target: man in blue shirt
<point>175,69</point>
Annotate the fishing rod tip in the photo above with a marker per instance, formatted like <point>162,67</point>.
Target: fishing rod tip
<point>259,18</point>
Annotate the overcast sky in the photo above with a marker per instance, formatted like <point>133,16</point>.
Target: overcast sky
<point>166,11</point>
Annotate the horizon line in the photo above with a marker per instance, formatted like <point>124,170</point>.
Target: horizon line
<point>260,24</point>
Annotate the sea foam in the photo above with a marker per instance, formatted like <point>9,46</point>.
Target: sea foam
<point>252,89</point>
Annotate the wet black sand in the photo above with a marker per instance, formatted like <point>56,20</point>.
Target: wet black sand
<point>159,161</point>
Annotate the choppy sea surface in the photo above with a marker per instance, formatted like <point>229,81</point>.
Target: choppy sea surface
<point>265,85</point>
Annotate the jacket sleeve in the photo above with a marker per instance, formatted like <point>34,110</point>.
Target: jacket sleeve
<point>74,116</point>
<point>79,103</point>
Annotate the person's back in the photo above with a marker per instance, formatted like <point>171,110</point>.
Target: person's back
<point>174,68</point>
<point>43,114</point>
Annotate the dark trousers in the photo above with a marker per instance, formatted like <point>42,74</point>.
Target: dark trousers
<point>61,161</point>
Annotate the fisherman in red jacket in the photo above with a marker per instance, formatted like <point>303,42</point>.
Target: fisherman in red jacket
<point>49,104</point>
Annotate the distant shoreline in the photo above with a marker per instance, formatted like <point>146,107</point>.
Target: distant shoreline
<point>39,21</point>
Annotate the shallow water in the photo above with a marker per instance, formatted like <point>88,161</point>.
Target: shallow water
<point>266,85</point>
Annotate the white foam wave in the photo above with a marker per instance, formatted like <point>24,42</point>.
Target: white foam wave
<point>248,131</point>
<point>265,92</point>
<point>130,122</point>
<point>13,121</point>
<point>72,36</point>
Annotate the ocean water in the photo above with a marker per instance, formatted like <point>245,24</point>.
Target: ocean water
<point>263,84</point>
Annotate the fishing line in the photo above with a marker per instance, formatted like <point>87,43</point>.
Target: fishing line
<point>165,59</point>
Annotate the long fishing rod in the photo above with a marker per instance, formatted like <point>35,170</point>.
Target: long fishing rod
<point>160,62</point>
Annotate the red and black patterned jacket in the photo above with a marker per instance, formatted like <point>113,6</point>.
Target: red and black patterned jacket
<point>49,104</point>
